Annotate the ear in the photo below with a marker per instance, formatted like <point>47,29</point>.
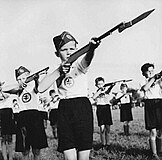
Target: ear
<point>57,54</point>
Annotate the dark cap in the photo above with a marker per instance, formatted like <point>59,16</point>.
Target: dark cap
<point>145,67</point>
<point>2,83</point>
<point>123,85</point>
<point>20,71</point>
<point>62,39</point>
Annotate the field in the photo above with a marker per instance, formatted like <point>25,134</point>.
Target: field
<point>133,147</point>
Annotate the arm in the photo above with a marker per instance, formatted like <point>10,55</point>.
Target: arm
<point>48,80</point>
<point>11,89</point>
<point>146,86</point>
<point>110,88</point>
<point>86,61</point>
<point>97,94</point>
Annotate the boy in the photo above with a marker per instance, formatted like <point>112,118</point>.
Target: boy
<point>152,89</point>
<point>125,100</point>
<point>102,98</point>
<point>30,129</point>
<point>53,114</point>
<point>75,120</point>
<point>7,125</point>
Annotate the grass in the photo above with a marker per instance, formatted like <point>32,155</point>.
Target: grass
<point>133,147</point>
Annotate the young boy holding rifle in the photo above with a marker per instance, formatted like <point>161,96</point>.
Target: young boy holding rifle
<point>152,89</point>
<point>103,98</point>
<point>75,120</point>
<point>6,125</point>
<point>30,129</point>
<point>125,101</point>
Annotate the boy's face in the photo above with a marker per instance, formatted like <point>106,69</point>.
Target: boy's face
<point>100,84</point>
<point>22,78</point>
<point>149,73</point>
<point>67,50</point>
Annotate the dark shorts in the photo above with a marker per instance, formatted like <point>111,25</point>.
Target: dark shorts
<point>75,124</point>
<point>30,131</point>
<point>7,121</point>
<point>126,112</point>
<point>44,115</point>
<point>153,113</point>
<point>53,116</point>
<point>104,116</point>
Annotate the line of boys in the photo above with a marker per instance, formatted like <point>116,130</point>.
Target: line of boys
<point>75,120</point>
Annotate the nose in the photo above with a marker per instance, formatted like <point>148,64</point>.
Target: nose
<point>68,52</point>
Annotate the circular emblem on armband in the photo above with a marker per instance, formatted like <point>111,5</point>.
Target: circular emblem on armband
<point>69,82</point>
<point>26,97</point>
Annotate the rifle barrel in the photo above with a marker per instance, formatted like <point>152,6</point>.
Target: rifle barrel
<point>108,84</point>
<point>30,78</point>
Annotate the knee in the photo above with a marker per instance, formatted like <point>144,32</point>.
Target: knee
<point>153,134</point>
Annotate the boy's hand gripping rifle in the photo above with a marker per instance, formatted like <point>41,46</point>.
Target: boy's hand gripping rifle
<point>35,75</point>
<point>120,27</point>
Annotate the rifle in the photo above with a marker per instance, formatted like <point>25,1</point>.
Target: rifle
<point>120,27</point>
<point>111,83</point>
<point>31,77</point>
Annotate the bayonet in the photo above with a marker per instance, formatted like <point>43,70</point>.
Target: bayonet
<point>134,21</point>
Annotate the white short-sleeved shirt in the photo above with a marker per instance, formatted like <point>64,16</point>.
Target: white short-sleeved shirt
<point>75,82</point>
<point>28,99</point>
<point>6,103</point>
<point>104,99</point>
<point>154,92</point>
<point>125,99</point>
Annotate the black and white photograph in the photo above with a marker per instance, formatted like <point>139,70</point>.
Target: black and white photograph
<point>80,80</point>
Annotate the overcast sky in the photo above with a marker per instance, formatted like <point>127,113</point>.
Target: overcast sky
<point>28,26</point>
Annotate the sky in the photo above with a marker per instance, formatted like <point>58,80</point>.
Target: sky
<point>27,28</point>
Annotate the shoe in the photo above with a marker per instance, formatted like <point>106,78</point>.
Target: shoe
<point>107,147</point>
<point>155,157</point>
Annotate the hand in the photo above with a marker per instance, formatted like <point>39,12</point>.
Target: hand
<point>94,43</point>
<point>157,76</point>
<point>36,77</point>
<point>65,68</point>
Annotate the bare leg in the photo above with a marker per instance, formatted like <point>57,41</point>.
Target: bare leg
<point>36,153</point>
<point>83,155</point>
<point>152,137</point>
<point>26,155</point>
<point>4,150</point>
<point>102,134</point>
<point>107,134</point>
<point>10,150</point>
<point>70,154</point>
